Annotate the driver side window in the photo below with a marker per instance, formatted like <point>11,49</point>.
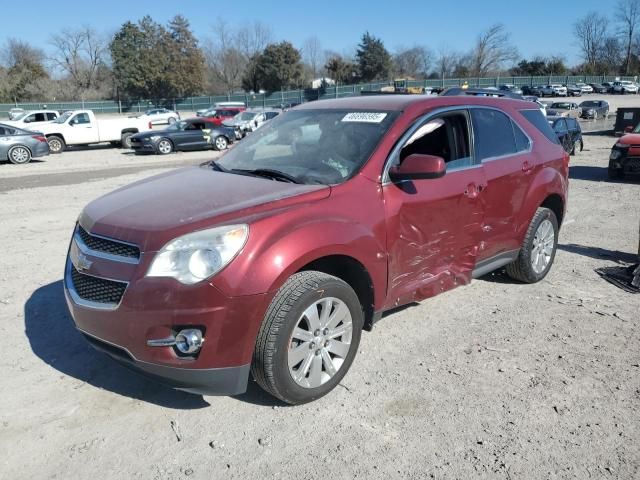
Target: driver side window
<point>446,136</point>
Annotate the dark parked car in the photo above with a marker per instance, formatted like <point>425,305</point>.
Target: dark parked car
<point>625,155</point>
<point>608,86</point>
<point>569,133</point>
<point>509,87</point>
<point>272,259</point>
<point>599,88</point>
<point>574,90</point>
<point>534,90</point>
<point>20,146</point>
<point>595,109</point>
<point>192,134</point>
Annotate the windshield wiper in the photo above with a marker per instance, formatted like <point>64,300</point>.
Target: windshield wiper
<point>214,165</point>
<point>268,173</point>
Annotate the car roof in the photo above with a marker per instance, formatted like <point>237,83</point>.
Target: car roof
<point>399,102</point>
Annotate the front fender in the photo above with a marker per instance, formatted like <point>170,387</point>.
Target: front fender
<point>274,254</point>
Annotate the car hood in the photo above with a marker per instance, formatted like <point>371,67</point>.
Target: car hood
<point>630,139</point>
<point>155,210</point>
<point>235,123</point>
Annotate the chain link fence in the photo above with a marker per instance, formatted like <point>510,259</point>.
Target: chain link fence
<point>277,99</point>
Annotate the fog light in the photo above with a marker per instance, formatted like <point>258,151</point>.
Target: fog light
<point>189,341</point>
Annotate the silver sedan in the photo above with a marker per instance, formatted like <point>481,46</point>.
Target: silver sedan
<point>20,146</point>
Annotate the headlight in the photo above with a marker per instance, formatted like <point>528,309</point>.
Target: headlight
<point>615,154</point>
<point>154,138</point>
<point>199,255</point>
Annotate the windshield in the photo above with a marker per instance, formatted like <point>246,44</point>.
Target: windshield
<point>589,104</point>
<point>565,106</point>
<point>21,116</point>
<point>63,118</point>
<point>314,146</point>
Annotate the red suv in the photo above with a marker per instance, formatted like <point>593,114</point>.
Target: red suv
<point>219,115</point>
<point>275,257</point>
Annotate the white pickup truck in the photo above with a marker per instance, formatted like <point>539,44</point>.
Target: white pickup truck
<point>80,127</point>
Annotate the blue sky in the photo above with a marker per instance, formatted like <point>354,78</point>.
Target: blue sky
<point>545,29</point>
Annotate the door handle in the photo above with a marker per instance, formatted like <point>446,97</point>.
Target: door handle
<point>526,166</point>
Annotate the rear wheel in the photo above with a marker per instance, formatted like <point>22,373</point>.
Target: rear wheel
<point>538,249</point>
<point>220,143</point>
<point>56,144</point>
<point>19,155</point>
<point>125,140</point>
<point>165,146</point>
<point>172,120</point>
<point>308,338</point>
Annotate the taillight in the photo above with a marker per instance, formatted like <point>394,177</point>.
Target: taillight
<point>150,127</point>
<point>40,138</point>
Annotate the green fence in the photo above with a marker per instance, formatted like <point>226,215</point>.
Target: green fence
<point>277,99</point>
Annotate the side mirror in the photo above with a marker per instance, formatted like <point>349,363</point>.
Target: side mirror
<point>419,167</point>
<point>628,129</point>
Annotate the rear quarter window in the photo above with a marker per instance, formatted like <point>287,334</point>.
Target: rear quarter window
<point>538,120</point>
<point>493,134</point>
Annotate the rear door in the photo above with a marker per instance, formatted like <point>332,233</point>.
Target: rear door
<point>434,227</point>
<point>504,150</point>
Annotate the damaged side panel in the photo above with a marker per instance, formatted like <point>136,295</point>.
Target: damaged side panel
<point>434,234</point>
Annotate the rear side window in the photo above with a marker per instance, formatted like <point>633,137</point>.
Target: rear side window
<point>493,134</point>
<point>522,141</point>
<point>538,120</point>
<point>51,116</point>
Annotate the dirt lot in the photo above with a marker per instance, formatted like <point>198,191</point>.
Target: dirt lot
<point>492,380</point>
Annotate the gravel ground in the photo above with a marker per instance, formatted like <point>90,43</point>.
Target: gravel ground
<point>492,380</point>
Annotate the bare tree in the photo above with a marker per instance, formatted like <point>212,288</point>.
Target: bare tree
<point>312,54</point>
<point>492,50</point>
<point>445,61</point>
<point>223,57</point>
<point>412,62</point>
<point>79,54</point>
<point>591,33</point>
<point>253,39</point>
<point>628,16</point>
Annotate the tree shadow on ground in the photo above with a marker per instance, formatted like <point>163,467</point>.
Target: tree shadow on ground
<point>599,253</point>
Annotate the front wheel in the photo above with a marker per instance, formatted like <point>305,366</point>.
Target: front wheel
<point>308,338</point>
<point>538,248</point>
<point>165,146</point>
<point>125,140</point>
<point>172,120</point>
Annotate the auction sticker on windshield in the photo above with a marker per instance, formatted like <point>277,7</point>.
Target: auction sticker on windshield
<point>366,117</point>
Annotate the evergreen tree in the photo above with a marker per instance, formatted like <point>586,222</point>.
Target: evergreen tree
<point>374,61</point>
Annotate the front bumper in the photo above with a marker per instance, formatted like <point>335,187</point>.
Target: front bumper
<point>620,160</point>
<point>210,381</point>
<point>155,308</point>
<point>143,147</point>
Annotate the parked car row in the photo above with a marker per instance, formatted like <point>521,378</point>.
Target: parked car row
<point>214,128</point>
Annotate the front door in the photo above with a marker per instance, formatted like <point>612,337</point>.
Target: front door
<point>434,227</point>
<point>82,131</point>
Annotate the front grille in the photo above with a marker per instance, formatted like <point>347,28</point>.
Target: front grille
<point>104,245</point>
<point>98,290</point>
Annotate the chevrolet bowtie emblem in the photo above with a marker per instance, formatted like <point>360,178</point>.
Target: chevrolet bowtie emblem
<point>83,263</point>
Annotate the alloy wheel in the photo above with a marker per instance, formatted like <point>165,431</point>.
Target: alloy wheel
<point>320,342</point>
<point>164,147</point>
<point>543,243</point>
<point>20,155</point>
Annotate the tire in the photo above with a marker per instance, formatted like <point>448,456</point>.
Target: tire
<point>220,142</point>
<point>615,173</point>
<point>125,140</point>
<point>171,120</point>
<point>19,155</point>
<point>536,242</point>
<point>165,146</point>
<point>276,359</point>
<point>56,144</point>
<point>573,148</point>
